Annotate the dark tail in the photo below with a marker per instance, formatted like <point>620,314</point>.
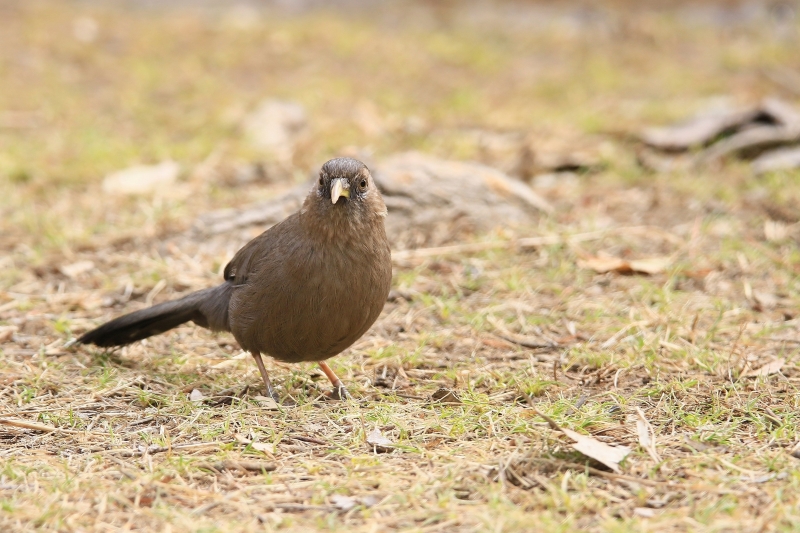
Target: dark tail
<point>207,308</point>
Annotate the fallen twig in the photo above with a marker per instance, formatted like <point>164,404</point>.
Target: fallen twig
<point>310,440</point>
<point>527,342</point>
<point>126,452</point>
<point>520,340</point>
<point>245,466</point>
<point>23,424</point>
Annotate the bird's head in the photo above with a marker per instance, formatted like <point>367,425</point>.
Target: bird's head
<point>345,188</point>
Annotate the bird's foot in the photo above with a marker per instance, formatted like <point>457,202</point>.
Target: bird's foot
<point>268,384</point>
<point>338,393</point>
<point>288,402</point>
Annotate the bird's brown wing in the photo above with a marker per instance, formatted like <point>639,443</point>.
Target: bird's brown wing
<point>244,262</point>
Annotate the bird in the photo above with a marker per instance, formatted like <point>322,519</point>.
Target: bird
<point>304,290</point>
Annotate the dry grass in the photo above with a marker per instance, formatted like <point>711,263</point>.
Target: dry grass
<point>96,441</point>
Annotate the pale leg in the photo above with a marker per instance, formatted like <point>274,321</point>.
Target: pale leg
<point>267,383</point>
<point>339,391</point>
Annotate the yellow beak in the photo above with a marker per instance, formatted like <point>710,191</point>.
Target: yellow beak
<point>339,188</point>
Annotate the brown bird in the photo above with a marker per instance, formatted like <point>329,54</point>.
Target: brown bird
<point>304,290</point>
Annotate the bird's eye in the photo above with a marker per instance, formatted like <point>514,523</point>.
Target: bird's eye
<point>321,180</point>
<point>363,184</point>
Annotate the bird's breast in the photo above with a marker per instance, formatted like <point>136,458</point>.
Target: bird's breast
<point>313,304</point>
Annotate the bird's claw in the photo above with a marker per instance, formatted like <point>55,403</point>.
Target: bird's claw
<point>339,393</point>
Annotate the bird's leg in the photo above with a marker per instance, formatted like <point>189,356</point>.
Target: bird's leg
<point>267,383</point>
<point>339,392</point>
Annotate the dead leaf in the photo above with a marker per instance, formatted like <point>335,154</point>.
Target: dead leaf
<point>602,264</point>
<point>647,436</point>
<point>343,503</point>
<point>770,368</point>
<point>266,402</point>
<point>445,395</point>
<point>608,455</point>
<point>378,442</point>
<point>196,396</point>
<point>76,269</point>
<point>262,447</point>
<point>653,265</point>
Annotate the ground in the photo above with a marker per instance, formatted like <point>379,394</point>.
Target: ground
<point>172,434</point>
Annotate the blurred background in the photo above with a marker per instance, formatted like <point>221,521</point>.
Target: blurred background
<point>651,150</point>
<point>238,101</point>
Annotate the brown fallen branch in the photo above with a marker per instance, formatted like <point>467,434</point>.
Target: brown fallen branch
<point>699,130</point>
<point>706,127</point>
<point>758,138</point>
